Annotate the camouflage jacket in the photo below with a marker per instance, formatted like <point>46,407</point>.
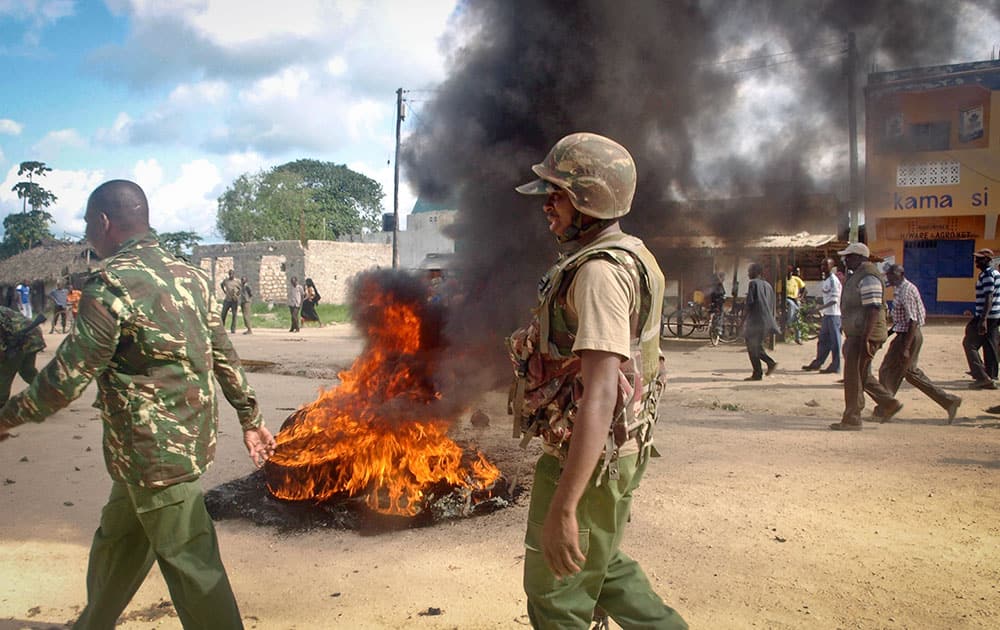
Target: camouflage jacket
<point>11,324</point>
<point>149,331</point>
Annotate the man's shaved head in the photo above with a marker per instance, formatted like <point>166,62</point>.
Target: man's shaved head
<point>116,212</point>
<point>123,202</point>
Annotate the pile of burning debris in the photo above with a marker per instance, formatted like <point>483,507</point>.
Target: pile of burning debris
<point>373,452</point>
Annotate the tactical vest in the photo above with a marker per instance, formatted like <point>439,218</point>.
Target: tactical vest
<point>547,387</point>
<point>853,312</point>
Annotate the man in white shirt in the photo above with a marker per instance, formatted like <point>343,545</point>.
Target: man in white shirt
<point>829,331</point>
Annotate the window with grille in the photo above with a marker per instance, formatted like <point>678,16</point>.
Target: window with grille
<point>936,173</point>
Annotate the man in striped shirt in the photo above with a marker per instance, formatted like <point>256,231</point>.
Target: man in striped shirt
<point>863,318</point>
<point>908,316</point>
<point>981,331</point>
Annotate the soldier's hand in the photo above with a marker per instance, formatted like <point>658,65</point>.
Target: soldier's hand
<point>561,543</point>
<point>260,444</point>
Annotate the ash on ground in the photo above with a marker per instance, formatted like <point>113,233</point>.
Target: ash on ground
<point>248,498</point>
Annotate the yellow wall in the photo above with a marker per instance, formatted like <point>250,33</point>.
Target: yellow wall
<point>965,211</point>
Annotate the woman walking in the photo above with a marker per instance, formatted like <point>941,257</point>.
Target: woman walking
<point>309,303</point>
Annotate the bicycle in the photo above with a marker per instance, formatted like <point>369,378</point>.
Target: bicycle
<point>808,322</point>
<point>684,321</point>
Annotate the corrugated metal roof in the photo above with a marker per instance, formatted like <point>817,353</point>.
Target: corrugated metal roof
<point>802,240</point>
<point>791,241</point>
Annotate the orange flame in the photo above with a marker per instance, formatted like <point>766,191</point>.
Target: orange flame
<point>351,439</point>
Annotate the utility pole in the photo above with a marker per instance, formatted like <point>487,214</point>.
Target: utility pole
<point>395,183</point>
<point>852,123</point>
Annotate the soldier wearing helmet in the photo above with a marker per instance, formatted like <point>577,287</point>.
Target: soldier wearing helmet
<point>588,374</point>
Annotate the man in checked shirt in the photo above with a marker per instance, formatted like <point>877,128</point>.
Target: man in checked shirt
<point>908,315</point>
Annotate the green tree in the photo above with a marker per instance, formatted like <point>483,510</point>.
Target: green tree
<point>24,230</point>
<point>179,243</point>
<point>29,192</point>
<point>272,206</point>
<point>349,202</point>
<point>238,210</point>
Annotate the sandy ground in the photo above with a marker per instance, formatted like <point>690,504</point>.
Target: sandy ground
<point>755,516</point>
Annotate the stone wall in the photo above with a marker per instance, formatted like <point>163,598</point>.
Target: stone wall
<point>332,265</point>
<point>268,265</point>
<point>272,285</point>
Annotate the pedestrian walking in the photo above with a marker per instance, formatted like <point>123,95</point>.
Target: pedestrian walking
<point>60,304</point>
<point>828,343</point>
<point>158,408</point>
<point>231,299</point>
<point>309,302</point>
<point>759,322</point>
<point>24,298</point>
<point>794,288</point>
<point>863,309</point>
<point>295,297</point>
<point>901,359</point>
<point>981,331</point>
<point>588,380</point>
<point>246,304</point>
<point>73,302</point>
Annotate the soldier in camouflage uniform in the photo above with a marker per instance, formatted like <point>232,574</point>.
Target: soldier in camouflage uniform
<point>588,374</point>
<point>17,353</point>
<point>150,333</point>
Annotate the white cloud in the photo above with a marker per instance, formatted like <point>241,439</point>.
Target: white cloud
<point>316,79</point>
<point>186,203</point>
<point>232,23</point>
<point>237,164</point>
<point>336,66</point>
<point>281,87</point>
<point>71,189</point>
<point>148,174</point>
<point>37,13</point>
<point>384,174</point>
<point>117,133</point>
<point>55,142</point>
<point>10,127</point>
<point>200,93</point>
<point>171,120</point>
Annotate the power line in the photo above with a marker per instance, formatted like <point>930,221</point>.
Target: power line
<point>781,63</point>
<point>779,54</point>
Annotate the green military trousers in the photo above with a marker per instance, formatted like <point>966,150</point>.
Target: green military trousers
<point>609,578</point>
<point>171,526</point>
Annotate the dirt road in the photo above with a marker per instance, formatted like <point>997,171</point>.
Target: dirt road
<point>755,516</point>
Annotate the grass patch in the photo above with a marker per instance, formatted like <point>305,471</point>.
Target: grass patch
<point>279,317</point>
<point>726,406</point>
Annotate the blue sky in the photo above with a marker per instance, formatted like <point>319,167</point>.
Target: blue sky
<point>186,95</point>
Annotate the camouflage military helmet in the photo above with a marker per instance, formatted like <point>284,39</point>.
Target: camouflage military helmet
<point>596,172</point>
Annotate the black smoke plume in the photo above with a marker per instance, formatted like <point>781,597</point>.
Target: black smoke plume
<point>654,76</point>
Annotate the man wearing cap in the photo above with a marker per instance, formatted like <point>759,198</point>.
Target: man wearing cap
<point>587,381</point>
<point>981,331</point>
<point>900,361</point>
<point>863,318</point>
